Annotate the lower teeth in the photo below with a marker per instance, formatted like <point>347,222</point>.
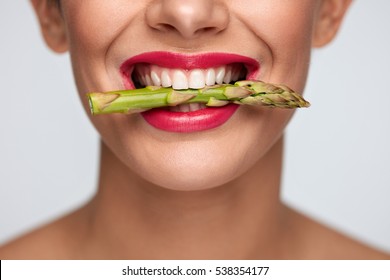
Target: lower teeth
<point>187,107</point>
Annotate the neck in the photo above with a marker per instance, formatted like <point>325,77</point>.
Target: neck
<point>134,219</point>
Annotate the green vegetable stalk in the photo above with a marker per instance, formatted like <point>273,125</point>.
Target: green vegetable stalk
<point>242,92</point>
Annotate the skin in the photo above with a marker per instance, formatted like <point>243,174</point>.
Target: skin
<point>182,196</point>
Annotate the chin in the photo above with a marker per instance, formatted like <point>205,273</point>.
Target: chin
<point>191,181</point>
<point>191,170</point>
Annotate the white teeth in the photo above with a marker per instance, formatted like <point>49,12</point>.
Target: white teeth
<point>183,79</point>
<point>210,77</point>
<point>220,75</point>
<point>235,75</point>
<point>165,79</point>
<point>228,76</point>
<point>155,78</point>
<point>196,79</point>
<point>148,80</point>
<point>194,106</point>
<point>187,107</point>
<point>184,107</point>
<point>179,80</point>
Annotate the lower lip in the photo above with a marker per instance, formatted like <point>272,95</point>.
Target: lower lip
<point>194,121</point>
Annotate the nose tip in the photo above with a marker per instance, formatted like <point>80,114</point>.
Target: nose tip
<point>189,18</point>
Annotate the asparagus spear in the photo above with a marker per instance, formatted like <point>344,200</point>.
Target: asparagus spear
<point>242,92</point>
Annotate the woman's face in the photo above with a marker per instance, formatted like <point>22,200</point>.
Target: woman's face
<point>118,43</point>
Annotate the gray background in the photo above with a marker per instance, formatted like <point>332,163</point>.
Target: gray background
<point>337,165</point>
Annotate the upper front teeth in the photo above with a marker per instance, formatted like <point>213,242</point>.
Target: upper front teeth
<point>179,80</point>
<point>210,77</point>
<point>165,79</point>
<point>220,75</point>
<point>155,78</point>
<point>184,79</point>
<point>196,79</point>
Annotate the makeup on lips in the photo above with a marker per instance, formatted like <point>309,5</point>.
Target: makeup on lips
<point>183,71</point>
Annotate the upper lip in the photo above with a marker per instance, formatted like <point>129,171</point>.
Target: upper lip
<point>188,62</point>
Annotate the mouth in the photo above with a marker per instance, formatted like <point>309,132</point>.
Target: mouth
<point>148,74</point>
<point>183,71</point>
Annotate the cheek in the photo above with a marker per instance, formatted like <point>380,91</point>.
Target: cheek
<point>284,29</point>
<point>92,29</point>
<point>93,26</point>
<point>292,50</point>
<point>283,23</point>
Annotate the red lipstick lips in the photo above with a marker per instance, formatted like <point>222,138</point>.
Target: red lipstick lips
<point>200,120</point>
<point>192,121</point>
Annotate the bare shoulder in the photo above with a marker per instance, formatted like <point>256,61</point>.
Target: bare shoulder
<point>317,241</point>
<point>56,240</point>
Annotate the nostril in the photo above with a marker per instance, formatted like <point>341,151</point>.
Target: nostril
<point>208,28</point>
<point>185,32</point>
<point>201,31</point>
<point>164,27</point>
<point>205,29</point>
